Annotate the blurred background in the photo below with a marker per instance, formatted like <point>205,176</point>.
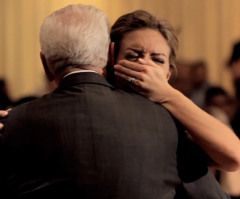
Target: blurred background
<point>206,29</point>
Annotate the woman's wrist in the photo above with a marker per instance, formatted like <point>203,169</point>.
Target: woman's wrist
<point>172,96</point>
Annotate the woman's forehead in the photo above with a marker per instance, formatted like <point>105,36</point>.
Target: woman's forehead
<point>145,40</point>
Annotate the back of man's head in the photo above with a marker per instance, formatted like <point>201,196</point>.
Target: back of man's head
<point>75,36</point>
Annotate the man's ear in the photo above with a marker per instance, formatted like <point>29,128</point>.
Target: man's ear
<point>46,69</point>
<point>111,54</point>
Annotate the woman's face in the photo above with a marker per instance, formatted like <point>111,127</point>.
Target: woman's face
<point>147,44</point>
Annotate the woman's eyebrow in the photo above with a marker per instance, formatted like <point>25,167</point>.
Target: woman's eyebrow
<point>135,50</point>
<point>158,54</point>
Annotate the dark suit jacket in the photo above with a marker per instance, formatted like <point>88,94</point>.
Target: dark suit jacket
<point>89,140</point>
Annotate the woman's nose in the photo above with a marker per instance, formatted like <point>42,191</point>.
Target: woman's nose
<point>144,59</point>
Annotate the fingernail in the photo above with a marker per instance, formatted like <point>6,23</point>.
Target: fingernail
<point>1,125</point>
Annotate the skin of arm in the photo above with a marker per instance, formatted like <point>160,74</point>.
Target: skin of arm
<point>214,137</point>
<point>230,182</point>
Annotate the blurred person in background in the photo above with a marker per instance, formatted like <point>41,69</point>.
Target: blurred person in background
<point>199,82</point>
<point>5,101</point>
<point>181,79</point>
<point>234,65</point>
<point>220,105</point>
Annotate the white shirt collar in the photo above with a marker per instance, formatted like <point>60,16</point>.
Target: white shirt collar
<point>80,71</point>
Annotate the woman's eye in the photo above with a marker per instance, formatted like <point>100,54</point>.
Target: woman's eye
<point>131,57</point>
<point>161,61</point>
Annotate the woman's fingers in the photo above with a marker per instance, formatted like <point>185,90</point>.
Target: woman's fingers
<point>127,78</point>
<point>1,127</point>
<point>3,113</point>
<point>137,73</point>
<point>121,75</point>
<point>126,72</point>
<point>132,65</point>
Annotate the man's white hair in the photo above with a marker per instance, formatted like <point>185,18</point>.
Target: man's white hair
<point>75,36</point>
